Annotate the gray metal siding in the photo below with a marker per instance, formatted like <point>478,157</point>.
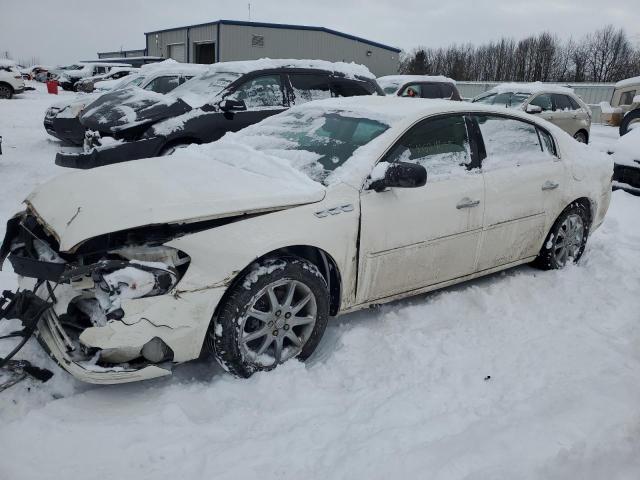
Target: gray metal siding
<point>158,42</point>
<point>235,44</point>
<point>204,33</point>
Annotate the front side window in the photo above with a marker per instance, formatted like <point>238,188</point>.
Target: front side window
<point>260,92</point>
<point>414,90</point>
<point>543,101</point>
<point>441,145</point>
<point>509,142</point>
<point>307,88</point>
<point>627,97</point>
<point>163,84</point>
<point>562,102</point>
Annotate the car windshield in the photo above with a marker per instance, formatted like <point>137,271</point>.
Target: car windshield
<point>315,143</point>
<point>204,87</point>
<point>505,99</point>
<point>129,81</point>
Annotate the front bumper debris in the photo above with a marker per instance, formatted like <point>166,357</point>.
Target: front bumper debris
<point>68,130</point>
<point>98,157</point>
<point>29,309</point>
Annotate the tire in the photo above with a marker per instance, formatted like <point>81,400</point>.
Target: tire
<point>581,137</point>
<point>633,117</point>
<point>171,149</point>
<point>558,250</point>
<point>271,326</point>
<point>6,91</point>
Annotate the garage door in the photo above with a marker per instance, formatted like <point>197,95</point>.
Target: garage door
<point>176,51</point>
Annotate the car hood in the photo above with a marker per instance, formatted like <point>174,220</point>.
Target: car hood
<point>192,185</point>
<point>130,107</point>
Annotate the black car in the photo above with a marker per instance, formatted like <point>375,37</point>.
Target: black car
<point>228,98</point>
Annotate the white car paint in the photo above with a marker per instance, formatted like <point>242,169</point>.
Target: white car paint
<point>11,76</point>
<point>411,240</point>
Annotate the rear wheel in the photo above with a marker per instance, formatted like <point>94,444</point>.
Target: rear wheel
<point>276,312</point>
<point>631,120</point>
<point>6,91</point>
<point>581,136</point>
<point>567,239</point>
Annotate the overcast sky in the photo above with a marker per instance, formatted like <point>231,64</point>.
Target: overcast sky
<point>70,30</point>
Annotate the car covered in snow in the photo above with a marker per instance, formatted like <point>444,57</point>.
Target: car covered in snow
<point>11,81</point>
<point>243,248</point>
<point>87,84</point>
<point>557,104</point>
<point>131,124</point>
<point>68,76</point>
<point>420,86</point>
<point>61,119</point>
<point>624,109</point>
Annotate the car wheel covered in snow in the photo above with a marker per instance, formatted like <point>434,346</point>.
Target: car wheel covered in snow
<point>277,311</point>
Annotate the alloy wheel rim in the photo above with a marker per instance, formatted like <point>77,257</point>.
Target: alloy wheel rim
<point>568,241</point>
<point>278,323</point>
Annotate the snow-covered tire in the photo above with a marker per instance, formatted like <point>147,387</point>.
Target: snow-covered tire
<point>265,312</point>
<point>633,117</point>
<point>567,239</point>
<point>6,92</point>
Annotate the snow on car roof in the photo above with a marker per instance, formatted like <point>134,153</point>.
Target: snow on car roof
<point>628,82</point>
<point>4,62</point>
<point>171,65</point>
<point>535,87</point>
<point>350,70</point>
<point>398,79</point>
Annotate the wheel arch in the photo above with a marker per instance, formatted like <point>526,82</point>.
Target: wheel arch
<point>586,133</point>
<point>7,84</point>
<point>587,203</point>
<point>325,263</point>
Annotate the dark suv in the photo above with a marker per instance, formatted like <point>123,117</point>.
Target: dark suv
<point>229,97</point>
<point>420,86</point>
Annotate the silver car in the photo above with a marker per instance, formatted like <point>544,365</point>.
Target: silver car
<point>559,105</point>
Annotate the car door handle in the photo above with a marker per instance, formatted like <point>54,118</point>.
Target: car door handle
<point>549,185</point>
<point>467,203</point>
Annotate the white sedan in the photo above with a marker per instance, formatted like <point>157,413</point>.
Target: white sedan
<point>244,248</point>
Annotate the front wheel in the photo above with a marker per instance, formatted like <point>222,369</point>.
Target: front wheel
<point>276,312</point>
<point>567,239</point>
<point>6,92</point>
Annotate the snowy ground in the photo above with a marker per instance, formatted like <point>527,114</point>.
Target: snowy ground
<point>525,374</point>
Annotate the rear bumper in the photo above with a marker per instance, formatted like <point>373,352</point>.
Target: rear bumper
<point>123,152</point>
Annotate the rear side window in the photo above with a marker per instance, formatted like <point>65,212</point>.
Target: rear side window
<point>509,142</point>
<point>414,90</point>
<point>350,88</point>
<point>163,84</point>
<point>441,145</point>
<point>431,90</point>
<point>627,97</point>
<point>547,142</point>
<point>307,88</point>
<point>447,90</point>
<point>574,104</point>
<point>543,101</point>
<point>562,102</point>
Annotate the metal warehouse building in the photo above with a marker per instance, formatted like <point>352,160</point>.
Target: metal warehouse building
<point>229,40</point>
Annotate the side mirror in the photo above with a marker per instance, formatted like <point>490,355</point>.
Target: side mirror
<point>534,109</point>
<point>401,175</point>
<point>230,105</point>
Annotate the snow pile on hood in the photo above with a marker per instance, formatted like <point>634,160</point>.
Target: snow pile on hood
<point>350,70</point>
<point>535,87</point>
<point>626,151</point>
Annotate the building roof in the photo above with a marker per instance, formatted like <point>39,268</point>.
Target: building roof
<point>282,26</point>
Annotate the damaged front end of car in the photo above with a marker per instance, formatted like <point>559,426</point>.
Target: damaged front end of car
<point>93,309</point>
